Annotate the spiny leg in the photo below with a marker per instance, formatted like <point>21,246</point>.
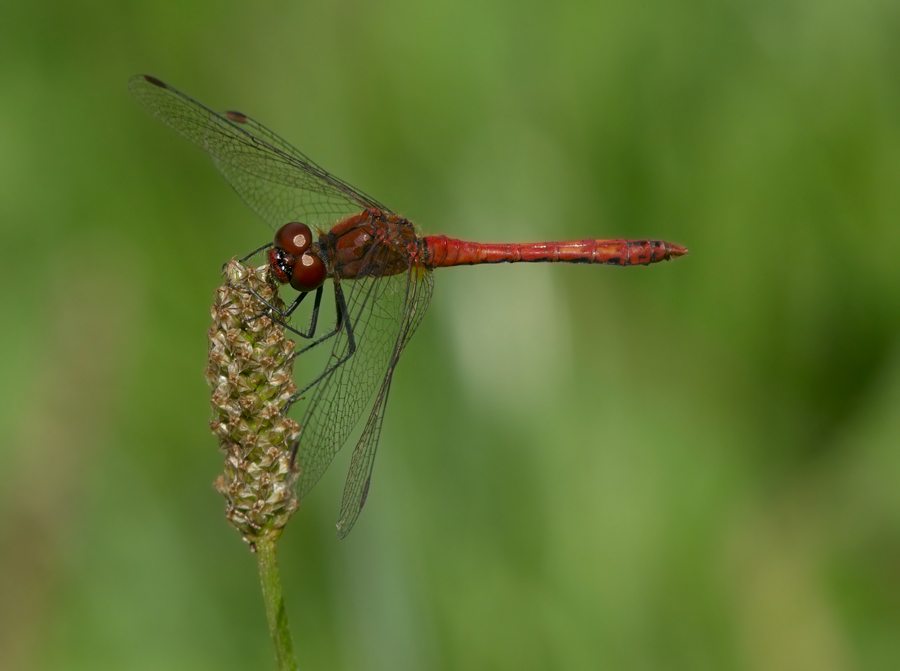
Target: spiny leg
<point>343,319</point>
<point>253,253</point>
<point>283,316</point>
<point>257,251</point>
<point>331,334</point>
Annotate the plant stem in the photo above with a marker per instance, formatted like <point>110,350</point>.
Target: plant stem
<point>275,612</point>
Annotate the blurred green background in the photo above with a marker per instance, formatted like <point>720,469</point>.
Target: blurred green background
<point>691,466</point>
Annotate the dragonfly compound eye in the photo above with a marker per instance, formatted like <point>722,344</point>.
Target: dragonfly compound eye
<point>309,273</point>
<point>294,238</point>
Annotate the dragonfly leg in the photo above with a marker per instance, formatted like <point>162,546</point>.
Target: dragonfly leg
<point>343,320</point>
<point>330,334</point>
<point>257,251</point>
<point>253,253</point>
<point>280,317</point>
<point>315,313</point>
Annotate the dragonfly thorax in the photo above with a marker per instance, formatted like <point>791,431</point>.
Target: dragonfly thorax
<point>371,244</point>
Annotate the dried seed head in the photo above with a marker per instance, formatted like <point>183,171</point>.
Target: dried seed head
<point>251,372</point>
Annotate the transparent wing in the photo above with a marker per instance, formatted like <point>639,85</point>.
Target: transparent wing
<point>383,312</point>
<point>259,131</point>
<point>279,182</point>
<point>419,289</point>
<point>356,489</point>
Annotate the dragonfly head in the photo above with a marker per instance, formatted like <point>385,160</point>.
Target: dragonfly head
<point>293,262</point>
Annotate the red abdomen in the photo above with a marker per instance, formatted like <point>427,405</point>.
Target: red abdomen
<point>442,251</point>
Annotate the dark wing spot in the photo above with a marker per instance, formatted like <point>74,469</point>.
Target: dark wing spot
<point>155,82</point>
<point>237,116</point>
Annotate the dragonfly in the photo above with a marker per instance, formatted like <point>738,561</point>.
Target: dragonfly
<point>380,271</point>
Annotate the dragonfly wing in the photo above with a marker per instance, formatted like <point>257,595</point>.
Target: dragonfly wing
<point>384,313</point>
<point>359,478</point>
<point>279,182</point>
<point>347,201</point>
<point>259,131</point>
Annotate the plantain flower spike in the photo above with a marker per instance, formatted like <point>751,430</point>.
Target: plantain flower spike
<point>251,372</point>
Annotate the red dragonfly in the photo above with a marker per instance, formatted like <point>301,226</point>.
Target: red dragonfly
<point>380,271</point>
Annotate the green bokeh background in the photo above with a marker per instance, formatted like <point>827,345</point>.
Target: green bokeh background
<point>694,465</point>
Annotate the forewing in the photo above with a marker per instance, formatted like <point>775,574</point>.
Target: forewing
<point>279,182</point>
<point>381,316</point>
<point>359,478</point>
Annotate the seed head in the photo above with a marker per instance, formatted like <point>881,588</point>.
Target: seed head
<point>251,372</point>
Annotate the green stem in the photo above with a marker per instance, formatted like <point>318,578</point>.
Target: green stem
<point>275,612</point>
